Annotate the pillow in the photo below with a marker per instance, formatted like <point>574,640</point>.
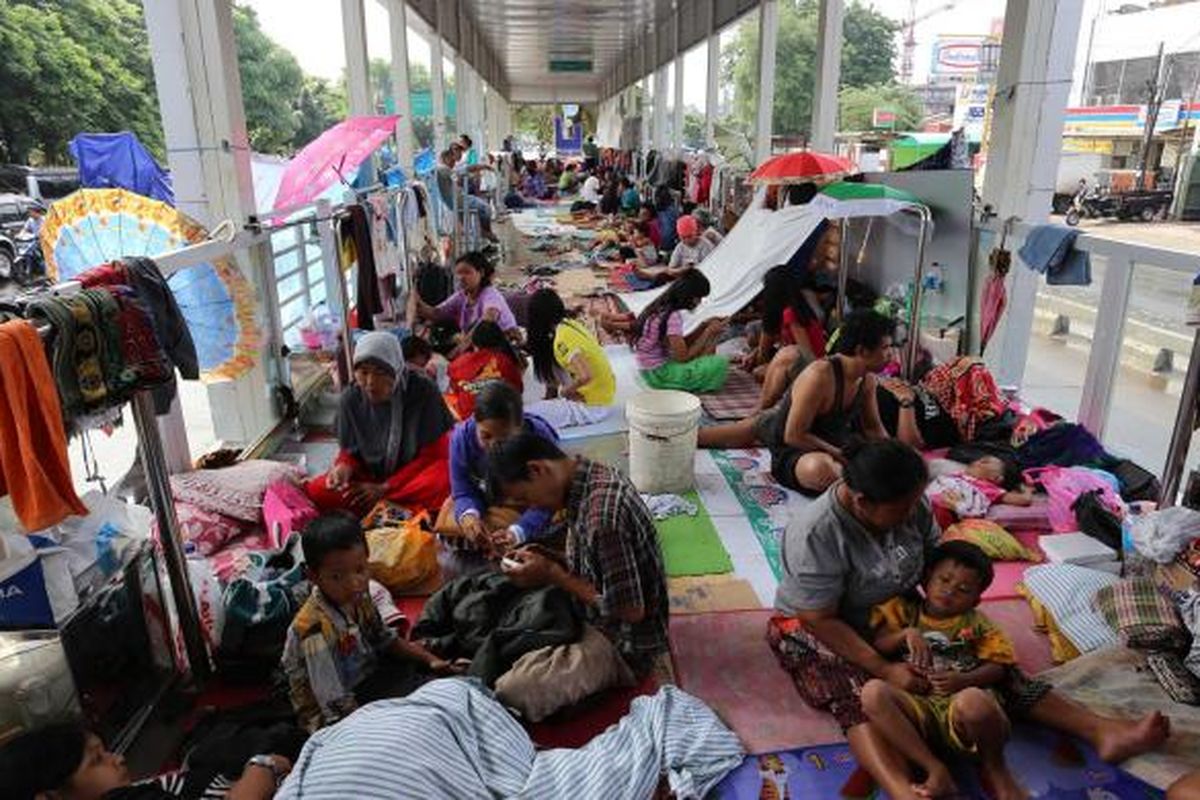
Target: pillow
<point>207,530</point>
<point>1142,615</point>
<point>1034,517</point>
<point>235,491</point>
<point>997,543</point>
<point>1066,590</point>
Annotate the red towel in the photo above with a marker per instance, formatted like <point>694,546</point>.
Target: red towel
<point>33,445</point>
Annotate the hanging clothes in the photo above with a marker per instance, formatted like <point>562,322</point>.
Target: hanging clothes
<point>31,423</point>
<point>354,229</point>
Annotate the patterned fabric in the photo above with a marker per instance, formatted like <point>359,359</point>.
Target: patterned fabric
<point>651,347</point>
<point>1142,615</point>
<point>967,391</point>
<point>330,651</point>
<point>737,399</point>
<point>612,543</point>
<point>996,543</point>
<point>450,738</point>
<point>207,530</point>
<point>958,643</point>
<point>825,681</point>
<point>1067,591</point>
<point>235,491</point>
<point>965,496</point>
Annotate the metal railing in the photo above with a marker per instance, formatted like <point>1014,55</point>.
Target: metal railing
<point>1108,333</point>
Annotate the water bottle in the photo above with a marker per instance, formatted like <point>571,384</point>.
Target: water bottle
<point>934,281</point>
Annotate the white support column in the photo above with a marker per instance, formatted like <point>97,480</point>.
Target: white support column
<point>437,88</point>
<point>712,97</point>
<point>398,33</point>
<point>358,75</point>
<point>462,96</point>
<point>677,121</point>
<point>199,89</point>
<point>828,72</point>
<point>768,35</point>
<point>1032,85</point>
<point>1104,358</point>
<point>660,109</point>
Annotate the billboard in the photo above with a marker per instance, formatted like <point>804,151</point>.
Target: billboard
<point>957,56</point>
<point>883,118</point>
<point>970,108</point>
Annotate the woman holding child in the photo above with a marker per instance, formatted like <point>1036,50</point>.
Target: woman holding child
<point>871,538</point>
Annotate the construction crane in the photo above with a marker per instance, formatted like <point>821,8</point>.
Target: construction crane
<point>910,41</point>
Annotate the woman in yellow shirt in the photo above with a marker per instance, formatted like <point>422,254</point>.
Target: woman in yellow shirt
<point>566,356</point>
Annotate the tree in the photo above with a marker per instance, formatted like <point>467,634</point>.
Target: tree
<point>320,106</point>
<point>272,83</point>
<point>867,54</point>
<point>693,129</point>
<point>73,67</point>
<point>856,104</point>
<point>536,122</point>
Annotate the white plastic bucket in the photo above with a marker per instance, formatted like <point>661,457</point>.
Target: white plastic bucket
<point>662,440</point>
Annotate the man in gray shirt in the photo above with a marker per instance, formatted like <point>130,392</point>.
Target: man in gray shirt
<point>831,560</point>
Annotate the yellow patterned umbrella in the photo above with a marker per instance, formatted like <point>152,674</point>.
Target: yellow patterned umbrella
<point>96,226</point>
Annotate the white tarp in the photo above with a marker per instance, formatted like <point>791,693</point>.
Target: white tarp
<point>761,239</point>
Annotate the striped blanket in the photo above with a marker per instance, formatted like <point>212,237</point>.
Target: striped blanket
<point>451,739</point>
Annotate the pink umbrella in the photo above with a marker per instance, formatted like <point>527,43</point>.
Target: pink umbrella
<point>341,149</point>
<point>991,307</point>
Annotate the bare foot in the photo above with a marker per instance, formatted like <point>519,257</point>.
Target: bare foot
<point>1004,784</point>
<point>938,783</point>
<point>1122,739</point>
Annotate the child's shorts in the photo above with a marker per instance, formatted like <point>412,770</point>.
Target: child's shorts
<point>935,717</point>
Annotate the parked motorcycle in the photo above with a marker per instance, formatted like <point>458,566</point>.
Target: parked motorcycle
<point>1090,202</point>
<point>29,265</point>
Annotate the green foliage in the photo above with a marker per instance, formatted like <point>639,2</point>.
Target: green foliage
<point>320,106</point>
<point>856,104</point>
<point>867,54</point>
<point>693,129</point>
<point>536,122</point>
<point>272,81</point>
<point>67,68</point>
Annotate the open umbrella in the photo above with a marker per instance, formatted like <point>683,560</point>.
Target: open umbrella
<point>336,152</point>
<point>842,200</point>
<point>804,166</point>
<point>95,226</point>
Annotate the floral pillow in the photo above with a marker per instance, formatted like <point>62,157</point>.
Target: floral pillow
<point>207,530</point>
<point>235,491</point>
<point>997,543</point>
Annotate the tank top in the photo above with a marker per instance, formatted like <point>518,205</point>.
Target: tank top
<point>835,426</point>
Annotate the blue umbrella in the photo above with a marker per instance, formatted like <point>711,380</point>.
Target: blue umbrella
<point>96,226</point>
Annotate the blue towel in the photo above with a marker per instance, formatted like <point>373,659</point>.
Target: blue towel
<point>1050,250</point>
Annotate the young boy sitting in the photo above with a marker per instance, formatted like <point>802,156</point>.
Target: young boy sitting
<point>961,653</point>
<point>339,654</point>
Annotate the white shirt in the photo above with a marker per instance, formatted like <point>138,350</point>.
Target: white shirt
<point>590,193</point>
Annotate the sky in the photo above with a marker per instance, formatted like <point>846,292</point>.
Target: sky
<point>308,37</point>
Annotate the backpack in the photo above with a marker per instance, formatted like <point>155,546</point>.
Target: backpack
<point>1065,485</point>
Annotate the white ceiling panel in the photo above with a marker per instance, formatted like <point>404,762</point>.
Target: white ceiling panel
<point>586,35</point>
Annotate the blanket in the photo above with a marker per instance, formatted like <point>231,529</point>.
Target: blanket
<point>489,619</point>
<point>457,741</point>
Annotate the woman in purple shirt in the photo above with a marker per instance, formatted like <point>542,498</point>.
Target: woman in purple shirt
<point>470,513</point>
<point>475,300</point>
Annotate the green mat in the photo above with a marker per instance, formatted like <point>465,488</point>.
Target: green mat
<point>691,545</point>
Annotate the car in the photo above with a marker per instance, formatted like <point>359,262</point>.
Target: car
<point>8,256</point>
<point>14,210</point>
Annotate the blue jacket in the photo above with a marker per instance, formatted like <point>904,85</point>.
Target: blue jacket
<point>468,476</point>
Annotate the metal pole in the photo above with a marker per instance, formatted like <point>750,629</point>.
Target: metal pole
<point>154,464</point>
<point>914,321</point>
<point>1181,434</point>
<point>843,270</point>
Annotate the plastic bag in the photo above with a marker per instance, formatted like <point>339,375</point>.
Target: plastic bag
<point>209,603</point>
<point>110,527</point>
<point>1162,535</point>
<point>36,587</point>
<point>404,558</point>
<point>1064,485</point>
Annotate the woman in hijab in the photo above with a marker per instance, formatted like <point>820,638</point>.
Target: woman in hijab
<point>393,430</point>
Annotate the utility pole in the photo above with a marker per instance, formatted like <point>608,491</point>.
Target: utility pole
<point>1187,154</point>
<point>1156,87</point>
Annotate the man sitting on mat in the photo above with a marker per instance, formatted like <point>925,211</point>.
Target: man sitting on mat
<point>614,566</point>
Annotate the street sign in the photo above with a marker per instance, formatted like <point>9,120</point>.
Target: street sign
<point>883,118</point>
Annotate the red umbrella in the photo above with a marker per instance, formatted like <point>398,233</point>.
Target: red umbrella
<point>801,167</point>
<point>334,154</point>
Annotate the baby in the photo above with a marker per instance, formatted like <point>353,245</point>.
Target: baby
<point>984,483</point>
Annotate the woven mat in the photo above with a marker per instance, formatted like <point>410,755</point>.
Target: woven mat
<point>737,399</point>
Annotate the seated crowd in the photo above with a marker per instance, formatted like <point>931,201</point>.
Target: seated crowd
<point>558,586</point>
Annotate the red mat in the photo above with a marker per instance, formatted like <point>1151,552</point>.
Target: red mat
<point>1010,573</point>
<point>1015,619</point>
<point>576,726</point>
<point>723,658</point>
